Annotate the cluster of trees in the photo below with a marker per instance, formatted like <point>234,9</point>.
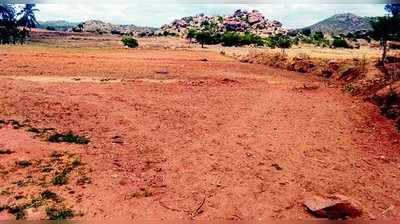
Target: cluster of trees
<point>230,38</point>
<point>385,29</point>
<point>319,39</point>
<point>15,26</point>
<point>275,41</point>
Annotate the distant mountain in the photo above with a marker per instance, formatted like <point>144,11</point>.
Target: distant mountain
<point>59,25</point>
<point>100,27</point>
<point>341,24</point>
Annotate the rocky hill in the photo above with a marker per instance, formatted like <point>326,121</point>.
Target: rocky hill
<point>241,21</point>
<point>342,24</point>
<point>97,26</point>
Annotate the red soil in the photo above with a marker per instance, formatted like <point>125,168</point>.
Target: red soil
<point>211,139</point>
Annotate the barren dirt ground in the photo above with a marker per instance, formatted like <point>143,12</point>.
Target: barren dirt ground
<point>189,134</point>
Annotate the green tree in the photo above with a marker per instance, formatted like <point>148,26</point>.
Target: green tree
<point>231,39</point>
<point>384,29</point>
<point>203,37</point>
<point>283,43</point>
<point>191,34</point>
<point>9,32</point>
<point>394,9</point>
<point>7,13</point>
<point>306,32</point>
<point>28,18</point>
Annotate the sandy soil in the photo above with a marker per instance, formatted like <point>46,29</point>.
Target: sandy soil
<point>189,134</point>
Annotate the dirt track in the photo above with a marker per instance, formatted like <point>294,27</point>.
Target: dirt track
<point>195,127</point>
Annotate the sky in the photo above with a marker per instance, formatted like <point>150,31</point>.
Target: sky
<point>149,13</point>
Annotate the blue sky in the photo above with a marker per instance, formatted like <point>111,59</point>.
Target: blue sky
<point>156,14</point>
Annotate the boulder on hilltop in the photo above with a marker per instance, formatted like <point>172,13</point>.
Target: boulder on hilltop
<point>240,21</point>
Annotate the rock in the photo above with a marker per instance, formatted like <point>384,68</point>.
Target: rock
<point>255,17</point>
<point>5,151</point>
<point>333,207</point>
<point>35,214</point>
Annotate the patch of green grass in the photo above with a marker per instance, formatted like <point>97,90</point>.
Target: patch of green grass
<point>68,138</point>
<point>59,214</point>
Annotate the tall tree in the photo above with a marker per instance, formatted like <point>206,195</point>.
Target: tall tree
<point>7,12</point>
<point>28,18</point>
<point>394,9</point>
<point>385,29</point>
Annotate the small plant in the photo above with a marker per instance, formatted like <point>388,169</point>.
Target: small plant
<point>130,42</point>
<point>59,214</point>
<point>60,179</point>
<point>350,88</point>
<point>69,138</point>
<point>49,195</point>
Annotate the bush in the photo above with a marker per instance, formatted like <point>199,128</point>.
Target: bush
<point>51,28</point>
<point>340,42</point>
<point>284,42</point>
<point>206,37</point>
<point>237,39</point>
<point>191,34</point>
<point>130,42</point>
<point>249,38</point>
<point>68,138</point>
<point>231,39</point>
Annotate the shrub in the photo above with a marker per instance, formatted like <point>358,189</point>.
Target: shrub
<point>206,37</point>
<point>339,42</point>
<point>60,179</point>
<point>51,28</point>
<point>231,39</point>
<point>130,42</point>
<point>306,32</point>
<point>69,138</point>
<point>237,39</point>
<point>249,38</point>
<point>59,214</point>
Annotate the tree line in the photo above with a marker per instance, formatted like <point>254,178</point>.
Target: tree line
<point>384,29</point>
<point>15,24</point>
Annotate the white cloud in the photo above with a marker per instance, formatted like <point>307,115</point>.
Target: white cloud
<point>156,14</point>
